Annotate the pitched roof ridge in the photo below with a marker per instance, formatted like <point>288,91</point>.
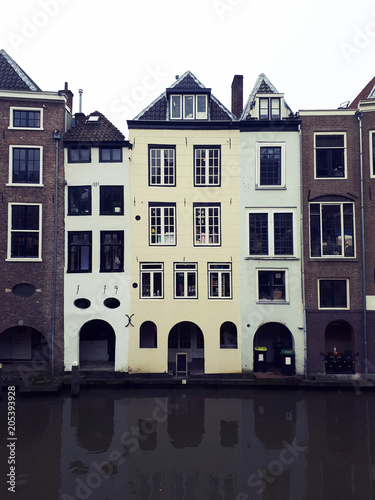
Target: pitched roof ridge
<point>182,77</point>
<point>20,72</point>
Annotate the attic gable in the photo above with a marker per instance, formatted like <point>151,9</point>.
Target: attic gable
<point>265,102</point>
<point>12,76</point>
<point>187,99</point>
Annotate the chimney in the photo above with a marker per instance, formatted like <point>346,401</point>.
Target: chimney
<point>69,96</point>
<point>237,95</point>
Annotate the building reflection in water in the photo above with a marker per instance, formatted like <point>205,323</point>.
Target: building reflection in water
<point>196,444</point>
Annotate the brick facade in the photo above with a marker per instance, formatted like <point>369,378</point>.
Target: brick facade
<point>348,322</point>
<point>35,311</point>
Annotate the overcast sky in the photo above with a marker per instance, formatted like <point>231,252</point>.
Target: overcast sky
<point>124,53</point>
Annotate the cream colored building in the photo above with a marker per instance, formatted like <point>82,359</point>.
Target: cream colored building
<point>184,206</point>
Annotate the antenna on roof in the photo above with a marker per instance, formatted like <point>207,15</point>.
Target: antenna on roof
<point>80,100</point>
<point>344,105</point>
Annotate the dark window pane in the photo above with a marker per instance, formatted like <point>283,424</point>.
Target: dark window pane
<point>258,234</point>
<point>283,233</point>
<point>270,166</point>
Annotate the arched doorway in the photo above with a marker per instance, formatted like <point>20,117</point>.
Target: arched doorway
<point>338,347</point>
<point>186,337</point>
<point>274,337</point>
<point>97,343</point>
<point>26,344</point>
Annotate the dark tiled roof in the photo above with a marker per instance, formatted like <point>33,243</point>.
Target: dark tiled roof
<point>158,110</point>
<point>364,94</point>
<point>188,82</point>
<point>101,131</point>
<point>12,77</point>
<point>264,88</point>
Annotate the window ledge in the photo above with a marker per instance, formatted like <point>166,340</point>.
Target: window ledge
<point>25,128</point>
<point>266,257</point>
<point>278,302</point>
<point>24,185</point>
<point>23,260</point>
<point>333,259</point>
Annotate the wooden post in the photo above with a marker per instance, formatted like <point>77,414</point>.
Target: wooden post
<point>74,389</point>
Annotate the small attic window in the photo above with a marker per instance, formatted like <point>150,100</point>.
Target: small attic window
<point>269,108</point>
<point>93,119</point>
<point>188,107</point>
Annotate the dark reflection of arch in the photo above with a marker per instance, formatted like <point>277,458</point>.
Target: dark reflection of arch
<point>228,433</point>
<point>94,417</point>
<point>97,341</point>
<point>186,422</point>
<point>274,419</point>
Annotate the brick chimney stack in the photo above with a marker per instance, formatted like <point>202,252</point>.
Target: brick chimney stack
<point>237,95</point>
<point>69,96</point>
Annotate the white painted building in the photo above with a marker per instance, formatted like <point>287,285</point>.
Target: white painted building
<point>97,263</point>
<point>271,289</point>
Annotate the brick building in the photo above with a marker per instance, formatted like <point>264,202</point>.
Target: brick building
<point>332,235</point>
<point>31,221</point>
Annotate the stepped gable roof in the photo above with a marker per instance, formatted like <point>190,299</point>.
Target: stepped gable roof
<point>92,129</point>
<point>158,109</point>
<point>368,92</point>
<point>12,77</point>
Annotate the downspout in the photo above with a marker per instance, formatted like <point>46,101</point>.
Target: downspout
<point>302,258</point>
<point>57,137</point>
<point>359,117</point>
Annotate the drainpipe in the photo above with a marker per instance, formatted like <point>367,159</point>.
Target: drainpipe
<point>57,137</point>
<point>358,114</point>
<point>302,258</point>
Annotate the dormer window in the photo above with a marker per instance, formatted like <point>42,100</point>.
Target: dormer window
<point>269,108</point>
<point>188,107</point>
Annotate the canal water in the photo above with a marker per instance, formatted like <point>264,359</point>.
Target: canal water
<point>190,443</point>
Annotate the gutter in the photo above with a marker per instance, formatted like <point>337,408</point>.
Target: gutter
<point>57,137</point>
<point>302,259</point>
<point>358,114</point>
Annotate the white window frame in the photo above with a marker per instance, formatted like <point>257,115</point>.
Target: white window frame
<point>284,300</point>
<point>371,153</point>
<point>270,98</point>
<point>162,167</point>
<point>151,269</point>
<point>171,99</point>
<point>271,233</point>
<point>205,237</point>
<point>207,167</point>
<point>335,256</point>
<point>21,108</point>
<point>219,268</point>
<point>340,133</point>
<point>181,98</point>
<point>282,184</point>
<point>182,268</point>
<point>166,238</point>
<point>25,184</point>
<point>201,115</point>
<point>332,308</point>
<point>11,231</point>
